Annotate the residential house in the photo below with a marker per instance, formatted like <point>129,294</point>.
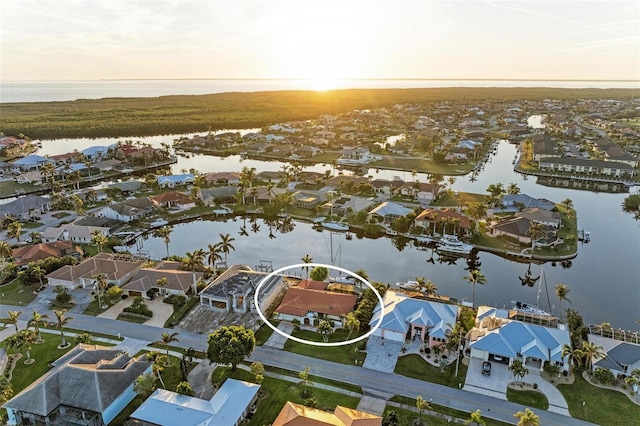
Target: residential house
<point>128,187</point>
<point>499,338</point>
<point>307,199</point>
<point>34,177</point>
<point>229,406</point>
<point>514,227</point>
<point>75,232</point>
<point>25,207</point>
<point>173,200</point>
<point>542,216</point>
<point>389,211</point>
<point>219,194</point>
<point>270,176</point>
<point>308,303</point>
<point>89,385</point>
<point>622,357</point>
<point>128,210</point>
<point>106,165</point>
<point>356,156</point>
<point>293,414</point>
<point>32,253</point>
<point>262,194</point>
<point>514,202</point>
<point>434,218</point>
<point>29,163</point>
<point>258,148</point>
<point>406,318</point>
<point>119,269</point>
<point>222,178</point>
<point>147,280</point>
<point>424,193</point>
<point>95,153</point>
<point>171,181</point>
<point>234,290</point>
<point>544,147</point>
<point>613,152</point>
<point>345,205</point>
<point>388,187</point>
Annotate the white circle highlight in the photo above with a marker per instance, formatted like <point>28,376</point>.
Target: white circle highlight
<point>330,267</point>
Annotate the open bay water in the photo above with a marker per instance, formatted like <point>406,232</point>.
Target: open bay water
<point>49,91</point>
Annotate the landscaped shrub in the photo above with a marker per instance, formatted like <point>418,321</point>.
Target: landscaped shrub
<point>139,307</point>
<point>63,298</point>
<point>604,376</point>
<point>552,369</point>
<point>175,300</point>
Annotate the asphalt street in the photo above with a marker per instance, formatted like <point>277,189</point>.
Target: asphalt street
<point>375,381</point>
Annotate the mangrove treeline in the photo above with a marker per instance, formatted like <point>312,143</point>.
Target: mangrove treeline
<point>129,117</point>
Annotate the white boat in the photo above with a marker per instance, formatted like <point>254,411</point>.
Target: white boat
<point>335,226</point>
<point>451,244</point>
<point>529,309</point>
<point>409,285</point>
<point>158,222</point>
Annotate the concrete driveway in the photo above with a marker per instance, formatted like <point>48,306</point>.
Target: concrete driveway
<point>494,385</point>
<point>161,311</point>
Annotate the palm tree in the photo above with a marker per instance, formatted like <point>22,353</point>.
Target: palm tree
<point>476,419</point>
<point>536,230</point>
<point>248,175</point>
<point>590,351</point>
<point>518,369</point>
<point>363,273</point>
<point>561,291</point>
<point>27,338</point>
<point>166,339</point>
<point>38,273</point>
<point>477,211</point>
<point>36,237</point>
<point>307,259</point>
<point>194,261</point>
<point>102,282</point>
<point>528,418</point>
<point>421,404</point>
<point>226,247</point>
<point>213,255</point>
<point>98,239</point>
<point>157,365</point>
<point>12,318</point>
<point>62,321</point>
<point>5,251</point>
<point>14,230</point>
<point>475,277</point>
<point>164,233</point>
<point>37,321</point>
<point>567,203</point>
<point>513,188</point>
<point>48,171</point>
<point>351,323</point>
<point>427,287</point>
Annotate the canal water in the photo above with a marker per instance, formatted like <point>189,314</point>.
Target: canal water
<point>604,278</point>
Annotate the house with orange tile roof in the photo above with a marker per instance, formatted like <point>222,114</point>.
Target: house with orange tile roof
<point>173,199</point>
<point>448,219</point>
<point>25,254</point>
<point>308,304</point>
<point>293,414</point>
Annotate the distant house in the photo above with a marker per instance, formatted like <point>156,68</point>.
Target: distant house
<point>74,232</point>
<point>219,194</point>
<point>229,406</point>
<point>513,202</point>
<point>25,207</point>
<point>25,254</point>
<point>449,219</point>
<point>424,193</point>
<point>406,318</point>
<point>178,282</point>
<point>307,199</point>
<point>128,210</point>
<point>344,205</point>
<point>356,156</point>
<point>293,414</point>
<point>590,167</point>
<point>306,304</point>
<point>127,187</point>
<point>389,211</point>
<point>95,153</point>
<point>173,199</point>
<point>498,338</point>
<point>172,181</point>
<point>30,162</point>
<point>514,227</point>
<point>384,186</point>
<point>613,152</point>
<point>542,216</point>
<point>544,147</point>
<point>118,268</point>
<point>89,385</point>
<point>222,178</point>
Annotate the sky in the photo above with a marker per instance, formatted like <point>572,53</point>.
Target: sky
<point>319,39</point>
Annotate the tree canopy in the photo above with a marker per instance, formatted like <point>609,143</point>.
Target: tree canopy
<point>230,345</point>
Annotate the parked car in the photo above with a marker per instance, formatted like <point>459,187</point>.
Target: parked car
<point>486,368</point>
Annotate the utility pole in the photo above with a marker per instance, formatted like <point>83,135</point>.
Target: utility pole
<point>459,350</point>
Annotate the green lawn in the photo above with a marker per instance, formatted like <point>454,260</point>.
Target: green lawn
<point>345,354</point>
<point>16,293</point>
<point>180,311</point>
<point>421,165</point>
<point>264,332</point>
<point>43,354</point>
<point>414,366</point>
<point>316,379</point>
<point>439,409</point>
<point>9,187</point>
<point>278,392</point>
<point>529,398</point>
<point>619,410</point>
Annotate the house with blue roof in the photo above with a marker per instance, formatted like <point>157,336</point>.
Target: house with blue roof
<point>622,356</point>
<point>171,181</point>
<point>405,318</point>
<point>228,407</point>
<point>498,338</point>
<point>515,202</point>
<point>95,153</point>
<point>30,162</point>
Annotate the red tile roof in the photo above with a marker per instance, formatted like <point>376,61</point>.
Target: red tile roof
<point>299,301</point>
